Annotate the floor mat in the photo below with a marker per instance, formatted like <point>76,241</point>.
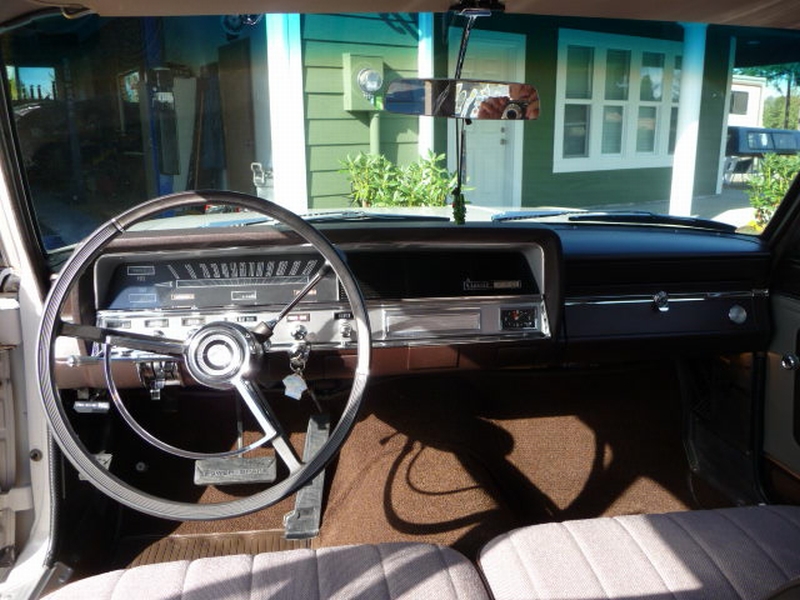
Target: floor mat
<point>145,550</point>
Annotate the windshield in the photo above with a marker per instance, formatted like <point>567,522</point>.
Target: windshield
<point>633,118</point>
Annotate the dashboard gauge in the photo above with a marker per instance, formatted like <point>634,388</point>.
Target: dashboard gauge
<point>518,318</point>
<point>203,282</point>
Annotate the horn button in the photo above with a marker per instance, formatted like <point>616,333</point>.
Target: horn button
<point>220,353</point>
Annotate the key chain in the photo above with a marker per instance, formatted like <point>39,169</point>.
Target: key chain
<point>295,383</point>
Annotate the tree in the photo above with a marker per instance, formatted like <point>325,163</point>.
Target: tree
<point>768,186</point>
<point>12,85</point>
<point>784,76</point>
<point>774,111</point>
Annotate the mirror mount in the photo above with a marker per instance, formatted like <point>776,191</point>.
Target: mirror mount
<point>464,99</point>
<point>472,10</point>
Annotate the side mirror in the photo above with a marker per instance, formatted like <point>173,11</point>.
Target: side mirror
<point>462,99</point>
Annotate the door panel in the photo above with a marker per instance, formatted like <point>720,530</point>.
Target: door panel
<point>782,401</point>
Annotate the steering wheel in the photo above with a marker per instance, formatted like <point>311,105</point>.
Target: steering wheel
<point>219,355</point>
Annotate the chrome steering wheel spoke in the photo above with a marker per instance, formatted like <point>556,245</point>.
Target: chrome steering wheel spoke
<point>124,339</point>
<point>260,409</point>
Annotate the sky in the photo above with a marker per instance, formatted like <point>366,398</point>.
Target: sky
<point>34,76</point>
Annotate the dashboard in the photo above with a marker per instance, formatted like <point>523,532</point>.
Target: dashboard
<point>438,296</point>
<point>429,294</point>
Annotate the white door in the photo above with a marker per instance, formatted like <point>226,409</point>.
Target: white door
<point>494,148</point>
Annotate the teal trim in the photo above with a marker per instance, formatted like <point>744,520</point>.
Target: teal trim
<point>287,118</point>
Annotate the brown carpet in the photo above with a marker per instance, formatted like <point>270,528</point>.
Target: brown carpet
<point>458,460</point>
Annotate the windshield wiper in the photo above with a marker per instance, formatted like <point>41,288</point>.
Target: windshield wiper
<point>361,215</point>
<point>347,216</point>
<point>532,214</point>
<point>633,217</point>
<point>58,256</point>
<point>649,218</point>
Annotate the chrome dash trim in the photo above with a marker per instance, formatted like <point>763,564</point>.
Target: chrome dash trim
<point>648,299</point>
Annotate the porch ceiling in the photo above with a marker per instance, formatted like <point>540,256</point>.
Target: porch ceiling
<point>757,47</point>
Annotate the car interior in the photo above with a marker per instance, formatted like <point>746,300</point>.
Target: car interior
<point>234,366</point>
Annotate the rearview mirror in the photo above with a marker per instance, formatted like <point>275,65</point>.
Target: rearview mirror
<point>463,99</point>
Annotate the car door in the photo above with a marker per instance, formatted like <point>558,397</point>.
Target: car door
<point>15,497</point>
<point>26,516</point>
<point>782,386</point>
<point>781,414</point>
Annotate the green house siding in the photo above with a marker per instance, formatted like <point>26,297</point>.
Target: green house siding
<point>540,185</point>
<point>333,132</point>
<point>594,188</point>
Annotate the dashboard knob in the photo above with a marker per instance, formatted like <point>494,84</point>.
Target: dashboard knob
<point>737,314</point>
<point>790,362</point>
<point>299,332</point>
<point>661,301</point>
<point>346,331</point>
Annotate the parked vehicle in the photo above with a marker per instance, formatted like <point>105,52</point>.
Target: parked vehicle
<point>247,349</point>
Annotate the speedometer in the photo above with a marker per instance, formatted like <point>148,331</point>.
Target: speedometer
<point>199,281</point>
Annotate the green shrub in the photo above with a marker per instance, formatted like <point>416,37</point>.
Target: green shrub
<point>371,179</point>
<point>769,184</point>
<point>376,181</point>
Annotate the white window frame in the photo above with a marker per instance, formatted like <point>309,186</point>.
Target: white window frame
<point>628,158</point>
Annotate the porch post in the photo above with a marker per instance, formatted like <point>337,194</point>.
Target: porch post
<point>287,115</point>
<point>685,158</point>
<point>424,70</point>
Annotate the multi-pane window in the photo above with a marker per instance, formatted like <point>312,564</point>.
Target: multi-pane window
<point>617,100</point>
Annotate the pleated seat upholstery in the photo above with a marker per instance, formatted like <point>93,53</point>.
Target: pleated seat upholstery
<point>383,571</point>
<point>738,553</point>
